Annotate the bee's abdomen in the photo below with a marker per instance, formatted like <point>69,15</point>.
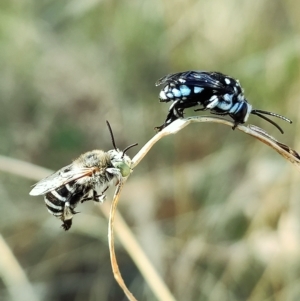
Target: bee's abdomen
<point>55,200</point>
<point>55,204</point>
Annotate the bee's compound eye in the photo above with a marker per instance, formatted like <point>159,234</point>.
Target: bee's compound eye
<point>124,169</point>
<point>240,112</point>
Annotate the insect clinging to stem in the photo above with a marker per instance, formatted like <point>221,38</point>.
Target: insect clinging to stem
<point>214,91</point>
<point>87,178</point>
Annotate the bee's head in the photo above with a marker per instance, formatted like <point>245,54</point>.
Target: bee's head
<point>240,111</point>
<point>118,158</point>
<point>120,161</point>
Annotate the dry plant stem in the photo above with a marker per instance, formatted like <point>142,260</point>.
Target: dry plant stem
<point>251,130</point>
<point>113,259</point>
<point>13,275</point>
<point>151,276</point>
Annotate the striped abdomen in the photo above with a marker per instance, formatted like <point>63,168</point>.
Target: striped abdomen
<point>62,201</point>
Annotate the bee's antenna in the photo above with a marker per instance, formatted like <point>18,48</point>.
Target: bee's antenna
<point>112,135</point>
<point>127,148</point>
<point>272,114</point>
<point>260,112</point>
<point>113,141</point>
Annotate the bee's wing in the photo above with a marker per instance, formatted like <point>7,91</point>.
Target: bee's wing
<point>203,79</point>
<point>63,176</point>
<point>173,77</point>
<point>167,78</point>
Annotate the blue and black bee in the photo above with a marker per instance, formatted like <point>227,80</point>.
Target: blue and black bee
<point>214,91</point>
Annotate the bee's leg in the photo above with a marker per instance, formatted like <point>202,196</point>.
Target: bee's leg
<point>213,102</point>
<point>172,116</point>
<point>236,123</point>
<point>116,172</point>
<point>67,224</point>
<point>174,113</point>
<point>161,127</point>
<point>200,109</point>
<point>96,197</point>
<point>73,211</point>
<point>67,216</point>
<point>87,199</point>
<point>99,197</point>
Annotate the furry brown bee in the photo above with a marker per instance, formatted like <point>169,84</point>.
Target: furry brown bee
<point>87,178</point>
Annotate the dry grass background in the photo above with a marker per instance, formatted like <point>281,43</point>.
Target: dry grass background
<point>217,212</point>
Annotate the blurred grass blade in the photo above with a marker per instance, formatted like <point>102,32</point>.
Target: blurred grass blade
<point>13,275</point>
<point>23,169</point>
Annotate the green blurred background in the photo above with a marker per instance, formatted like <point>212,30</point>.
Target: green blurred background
<point>217,212</point>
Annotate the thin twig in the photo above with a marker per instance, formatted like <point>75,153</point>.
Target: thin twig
<point>254,131</point>
<point>113,259</point>
<point>137,254</point>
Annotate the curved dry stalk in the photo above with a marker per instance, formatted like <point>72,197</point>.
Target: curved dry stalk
<point>173,128</point>
<point>149,273</point>
<point>254,131</point>
<point>113,259</point>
